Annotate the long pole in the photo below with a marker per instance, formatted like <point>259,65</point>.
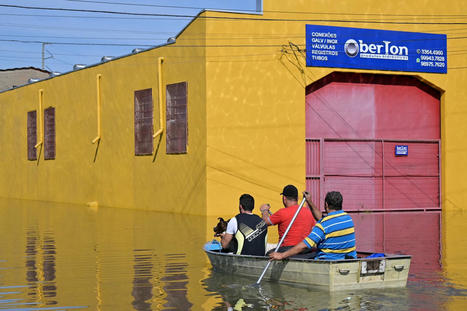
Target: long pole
<point>43,55</point>
<point>282,239</point>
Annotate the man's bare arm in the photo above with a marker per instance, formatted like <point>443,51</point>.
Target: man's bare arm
<point>314,210</point>
<point>225,240</point>
<point>290,252</point>
<point>265,213</point>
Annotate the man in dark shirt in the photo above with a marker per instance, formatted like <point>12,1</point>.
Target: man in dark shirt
<point>249,230</point>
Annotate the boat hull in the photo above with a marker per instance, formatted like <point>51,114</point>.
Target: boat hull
<point>381,272</point>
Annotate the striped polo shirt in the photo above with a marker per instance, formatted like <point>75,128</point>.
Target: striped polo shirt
<point>333,236</point>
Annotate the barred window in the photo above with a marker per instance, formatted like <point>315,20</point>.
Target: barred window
<point>49,133</point>
<point>177,124</point>
<point>32,135</point>
<point>143,122</point>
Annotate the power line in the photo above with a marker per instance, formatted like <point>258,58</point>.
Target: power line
<point>19,57</point>
<point>208,37</point>
<point>94,11</point>
<point>80,29</point>
<point>85,38</point>
<point>95,17</point>
<point>221,36</point>
<point>75,43</point>
<point>159,5</point>
<point>272,11</point>
<point>145,18</point>
<point>456,52</point>
<point>232,18</point>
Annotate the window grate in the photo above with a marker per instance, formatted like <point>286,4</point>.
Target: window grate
<point>143,122</point>
<point>49,133</point>
<point>32,135</point>
<point>177,123</point>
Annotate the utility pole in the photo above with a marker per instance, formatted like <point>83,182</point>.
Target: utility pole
<point>43,54</point>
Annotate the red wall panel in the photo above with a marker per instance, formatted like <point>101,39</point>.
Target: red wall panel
<point>414,233</point>
<point>313,187</point>
<point>358,193</point>
<point>369,231</point>
<point>406,112</point>
<point>411,192</point>
<point>313,165</point>
<point>338,110</point>
<point>352,158</point>
<point>357,110</point>
<point>422,159</point>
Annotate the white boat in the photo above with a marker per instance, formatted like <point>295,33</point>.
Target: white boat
<point>363,272</point>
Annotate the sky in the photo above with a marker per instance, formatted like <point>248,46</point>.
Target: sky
<point>70,34</point>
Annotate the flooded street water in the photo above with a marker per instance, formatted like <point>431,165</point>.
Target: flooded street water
<point>64,257</point>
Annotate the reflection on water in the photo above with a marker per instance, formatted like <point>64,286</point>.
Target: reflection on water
<point>176,280</point>
<point>40,280</point>
<point>240,294</point>
<point>60,257</point>
<point>142,286</point>
<point>63,257</point>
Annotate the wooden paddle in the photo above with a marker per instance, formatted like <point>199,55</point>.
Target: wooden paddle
<point>282,239</point>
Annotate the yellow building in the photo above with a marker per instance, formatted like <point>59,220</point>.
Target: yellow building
<point>225,109</point>
<point>245,79</point>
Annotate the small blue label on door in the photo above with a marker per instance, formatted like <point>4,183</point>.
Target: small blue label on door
<point>402,150</point>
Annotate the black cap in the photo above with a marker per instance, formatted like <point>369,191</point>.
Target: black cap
<point>290,191</point>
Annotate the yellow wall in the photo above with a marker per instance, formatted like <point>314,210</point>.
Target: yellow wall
<point>454,254</point>
<point>256,119</point>
<point>256,93</point>
<point>110,174</point>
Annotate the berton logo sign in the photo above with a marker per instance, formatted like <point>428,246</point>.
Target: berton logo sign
<point>342,47</point>
<point>372,50</point>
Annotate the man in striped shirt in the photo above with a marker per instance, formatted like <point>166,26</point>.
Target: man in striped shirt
<point>333,235</point>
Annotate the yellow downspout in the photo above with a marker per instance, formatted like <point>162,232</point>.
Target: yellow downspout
<point>41,132</point>
<point>98,84</point>
<point>161,120</point>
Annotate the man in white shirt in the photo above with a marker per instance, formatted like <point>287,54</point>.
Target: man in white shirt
<point>248,230</point>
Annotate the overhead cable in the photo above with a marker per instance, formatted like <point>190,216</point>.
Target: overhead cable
<point>233,17</point>
<point>269,11</point>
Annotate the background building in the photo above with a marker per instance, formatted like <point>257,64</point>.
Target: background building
<point>14,77</point>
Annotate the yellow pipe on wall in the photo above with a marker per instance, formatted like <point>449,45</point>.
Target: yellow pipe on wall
<point>41,132</point>
<point>161,120</point>
<point>98,85</point>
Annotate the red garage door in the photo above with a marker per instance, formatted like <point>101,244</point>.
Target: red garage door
<point>376,139</point>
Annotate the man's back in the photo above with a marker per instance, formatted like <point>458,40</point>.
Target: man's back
<point>334,236</point>
<point>301,227</point>
<point>251,235</point>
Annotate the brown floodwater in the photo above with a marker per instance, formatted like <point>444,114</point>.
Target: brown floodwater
<point>64,257</point>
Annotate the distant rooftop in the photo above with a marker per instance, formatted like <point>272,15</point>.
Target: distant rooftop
<point>13,77</point>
